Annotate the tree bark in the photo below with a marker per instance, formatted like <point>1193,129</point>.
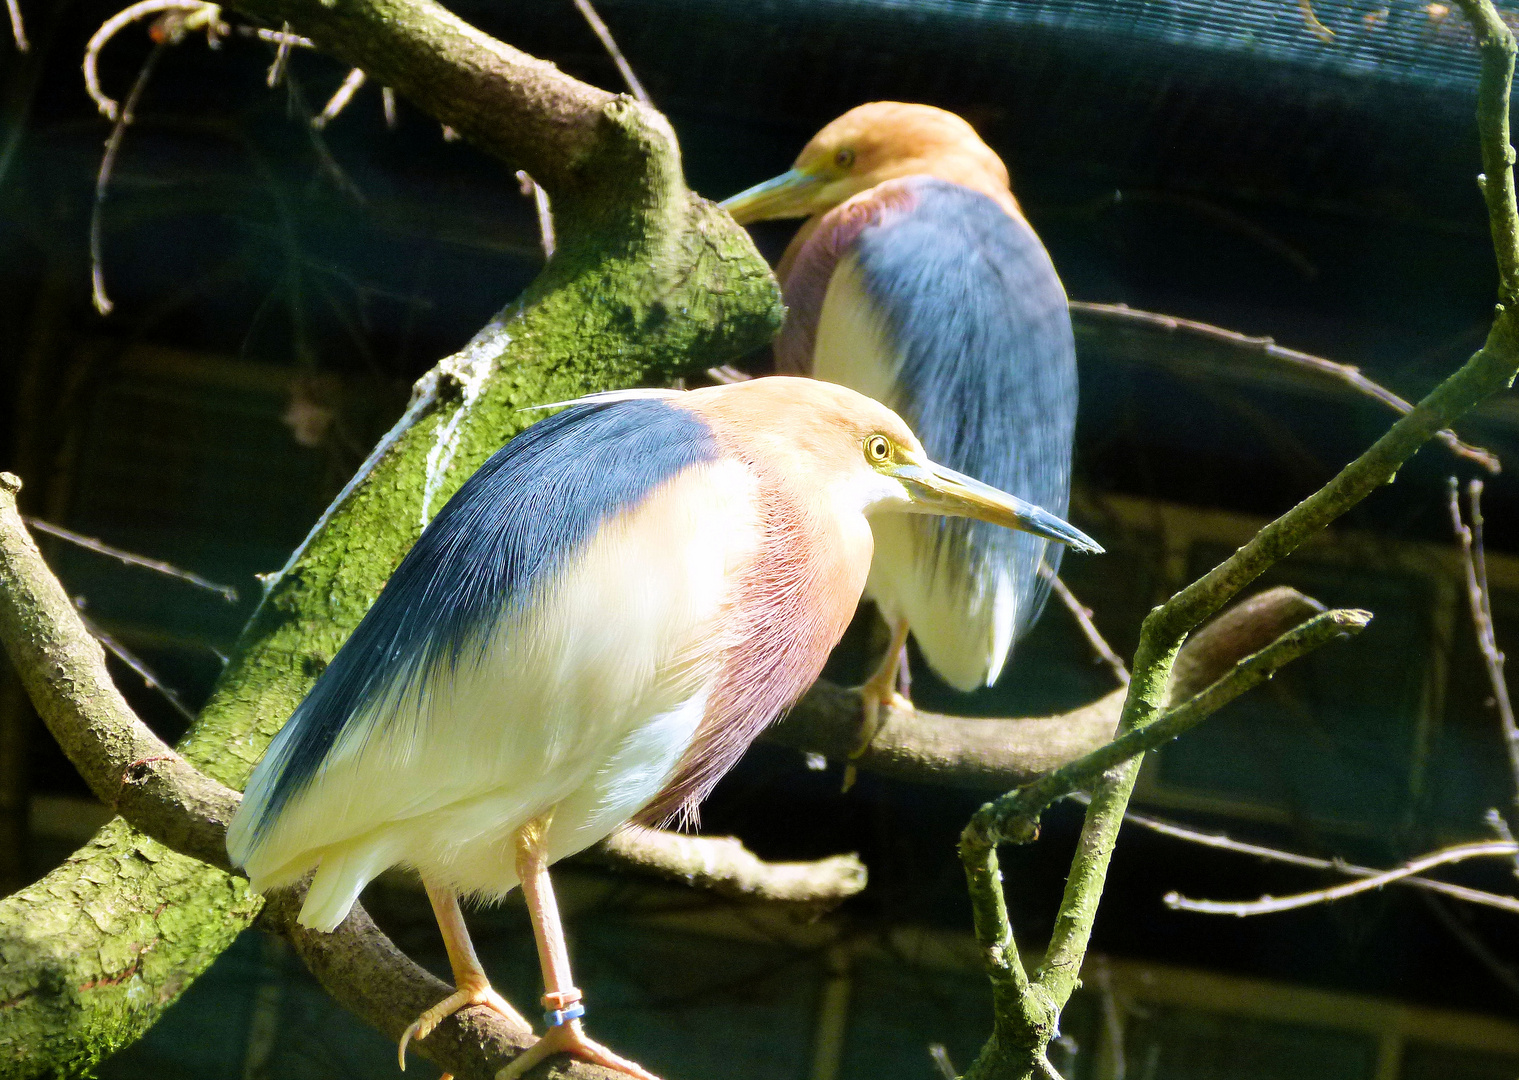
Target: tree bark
<point>650,282</point>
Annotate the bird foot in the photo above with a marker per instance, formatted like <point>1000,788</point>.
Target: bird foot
<point>469,994</point>
<point>877,697</point>
<point>568,1038</point>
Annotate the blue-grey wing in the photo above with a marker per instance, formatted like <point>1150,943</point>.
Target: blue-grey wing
<point>978,321</point>
<point>523,514</point>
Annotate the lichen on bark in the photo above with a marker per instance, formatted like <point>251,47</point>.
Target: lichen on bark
<point>650,282</point>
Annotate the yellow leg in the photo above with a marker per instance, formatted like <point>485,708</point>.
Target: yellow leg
<point>471,987</point>
<point>878,690</point>
<point>560,993</point>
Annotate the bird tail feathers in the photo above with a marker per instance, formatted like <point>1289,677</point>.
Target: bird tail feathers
<point>340,877</point>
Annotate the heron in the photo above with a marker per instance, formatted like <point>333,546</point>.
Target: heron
<point>591,631</point>
<point>917,281</point>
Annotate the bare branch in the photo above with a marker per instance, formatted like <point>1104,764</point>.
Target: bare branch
<point>1270,904</point>
<point>1093,318</point>
<point>1014,817</point>
<point>18,28</point>
<point>1479,601</point>
<point>103,180</point>
<point>1025,1012</point>
<point>722,864</point>
<point>727,374</point>
<point>996,754</point>
<point>340,99</point>
<point>1222,842</point>
<point>63,668</point>
<point>540,198</point>
<point>135,662</point>
<point>1083,616</point>
<point>624,68</point>
<point>197,14</point>
<point>158,566</point>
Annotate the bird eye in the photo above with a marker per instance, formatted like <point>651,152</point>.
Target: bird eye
<point>878,449</point>
<point>844,158</point>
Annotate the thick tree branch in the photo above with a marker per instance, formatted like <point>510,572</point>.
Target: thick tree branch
<point>153,787</point>
<point>722,864</point>
<point>1014,817</point>
<point>64,671</point>
<point>649,283</point>
<point>996,754</point>
<point>512,105</point>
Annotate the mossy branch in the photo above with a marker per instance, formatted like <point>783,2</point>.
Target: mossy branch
<point>1023,1006</point>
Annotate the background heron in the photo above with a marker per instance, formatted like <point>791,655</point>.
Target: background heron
<point>917,281</point>
<point>592,629</point>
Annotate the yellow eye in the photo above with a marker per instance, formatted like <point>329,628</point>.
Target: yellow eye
<point>844,158</point>
<point>878,449</point>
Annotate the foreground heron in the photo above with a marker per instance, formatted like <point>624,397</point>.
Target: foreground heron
<point>592,630</point>
<point>917,281</point>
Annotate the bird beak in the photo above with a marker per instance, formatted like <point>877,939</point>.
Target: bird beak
<point>937,490</point>
<point>786,196</point>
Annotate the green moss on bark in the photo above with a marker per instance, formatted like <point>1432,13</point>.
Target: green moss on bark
<point>649,283</point>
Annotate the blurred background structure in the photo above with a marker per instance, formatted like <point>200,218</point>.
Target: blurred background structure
<point>277,286</point>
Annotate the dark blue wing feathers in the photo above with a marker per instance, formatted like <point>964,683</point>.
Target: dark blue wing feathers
<point>980,322</point>
<point>512,524</point>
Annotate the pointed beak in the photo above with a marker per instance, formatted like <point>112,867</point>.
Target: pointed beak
<point>786,196</point>
<point>935,489</point>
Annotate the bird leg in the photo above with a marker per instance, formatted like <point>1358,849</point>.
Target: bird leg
<point>561,999</point>
<point>878,690</point>
<point>471,987</point>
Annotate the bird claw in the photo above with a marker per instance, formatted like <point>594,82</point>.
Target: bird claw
<point>568,1038</point>
<point>424,1025</point>
<point>876,698</point>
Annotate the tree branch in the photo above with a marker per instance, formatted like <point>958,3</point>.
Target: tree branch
<point>1014,817</point>
<point>512,105</point>
<point>134,772</point>
<point>1113,326</point>
<point>63,669</point>
<point>721,864</point>
<point>1267,905</point>
<point>1022,1020</point>
<point>996,754</point>
<point>1222,842</point>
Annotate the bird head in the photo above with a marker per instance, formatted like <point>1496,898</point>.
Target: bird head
<point>833,443</point>
<point>869,144</point>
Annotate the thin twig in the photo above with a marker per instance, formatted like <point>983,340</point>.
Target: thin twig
<point>1270,904</point>
<point>532,190</point>
<point>158,566</point>
<point>388,104</point>
<point>1223,842</point>
<point>1479,600</point>
<point>608,43</point>
<point>18,28</point>
<point>198,14</point>
<point>1083,616</point>
<point>135,662</point>
<point>1013,817</point>
<point>1499,824</point>
<point>939,1055</point>
<point>281,58</point>
<point>103,179</point>
<point>340,99</point>
<point>1346,374</point>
